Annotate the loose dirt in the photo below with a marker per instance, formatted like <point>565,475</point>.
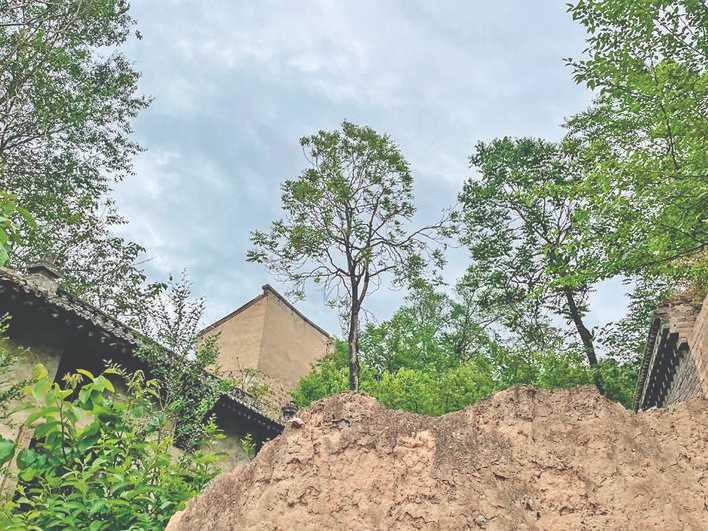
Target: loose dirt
<point>522,459</point>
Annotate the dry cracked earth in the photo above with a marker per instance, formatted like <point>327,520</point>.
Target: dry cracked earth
<point>522,459</point>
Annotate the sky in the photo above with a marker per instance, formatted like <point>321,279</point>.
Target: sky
<point>237,83</point>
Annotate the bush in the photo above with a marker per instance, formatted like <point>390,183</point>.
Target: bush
<point>101,460</point>
<point>435,392</point>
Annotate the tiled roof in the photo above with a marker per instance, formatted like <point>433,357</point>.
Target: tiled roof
<point>675,317</point>
<point>75,312</point>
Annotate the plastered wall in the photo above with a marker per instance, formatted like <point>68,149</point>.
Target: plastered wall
<point>48,352</point>
<point>290,344</point>
<point>268,335</point>
<point>240,338</point>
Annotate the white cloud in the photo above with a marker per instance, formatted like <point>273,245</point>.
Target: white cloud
<point>237,83</point>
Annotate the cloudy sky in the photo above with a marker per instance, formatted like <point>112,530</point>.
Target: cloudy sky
<point>237,83</point>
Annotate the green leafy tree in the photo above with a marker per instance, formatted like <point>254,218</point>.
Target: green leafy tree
<point>185,366</point>
<point>405,366</point>
<point>521,219</point>
<point>646,136</point>
<point>430,331</point>
<point>67,98</point>
<point>97,462</point>
<point>625,339</point>
<point>346,224</point>
<point>14,220</point>
<point>413,337</point>
<point>434,392</point>
<point>329,376</point>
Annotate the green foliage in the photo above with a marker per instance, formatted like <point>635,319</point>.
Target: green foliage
<point>101,461</point>
<point>248,445</point>
<point>7,451</point>
<point>9,391</point>
<point>521,224</point>
<point>328,377</point>
<point>13,218</point>
<point>413,362</point>
<point>645,139</point>
<point>346,223</point>
<point>67,99</point>
<point>625,340</point>
<point>184,365</point>
<point>251,381</point>
<point>435,392</point>
<point>431,331</point>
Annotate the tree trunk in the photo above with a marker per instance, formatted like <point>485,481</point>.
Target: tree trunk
<point>585,337</point>
<point>353,348</point>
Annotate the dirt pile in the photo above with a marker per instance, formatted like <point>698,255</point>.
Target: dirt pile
<point>523,459</point>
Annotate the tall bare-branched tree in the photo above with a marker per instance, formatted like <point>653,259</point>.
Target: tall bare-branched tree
<point>346,224</point>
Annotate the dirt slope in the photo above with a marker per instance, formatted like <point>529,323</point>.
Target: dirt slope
<point>523,459</point>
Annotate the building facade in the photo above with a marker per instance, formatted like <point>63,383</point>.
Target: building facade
<point>268,342</point>
<point>50,326</point>
<point>675,365</point>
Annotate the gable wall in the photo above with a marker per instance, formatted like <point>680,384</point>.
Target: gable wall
<point>290,344</point>
<point>240,338</point>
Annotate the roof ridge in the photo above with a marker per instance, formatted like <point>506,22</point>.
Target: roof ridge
<point>268,287</point>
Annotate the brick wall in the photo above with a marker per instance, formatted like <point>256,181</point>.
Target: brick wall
<point>683,380</point>
<point>677,354</point>
<point>699,345</point>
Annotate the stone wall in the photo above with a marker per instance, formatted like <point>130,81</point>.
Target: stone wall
<point>676,361</point>
<point>687,378</point>
<point>699,345</point>
<point>683,381</point>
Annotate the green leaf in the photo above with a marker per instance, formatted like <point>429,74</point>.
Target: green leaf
<point>7,450</point>
<point>43,429</point>
<point>86,373</point>
<point>26,458</point>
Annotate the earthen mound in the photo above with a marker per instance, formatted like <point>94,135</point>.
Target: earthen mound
<point>523,459</point>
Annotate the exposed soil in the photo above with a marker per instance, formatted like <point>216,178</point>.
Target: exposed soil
<point>523,459</point>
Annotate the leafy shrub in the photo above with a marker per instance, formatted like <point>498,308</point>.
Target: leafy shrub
<point>101,460</point>
<point>435,392</point>
<point>9,391</point>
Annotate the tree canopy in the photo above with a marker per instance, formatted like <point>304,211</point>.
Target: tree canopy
<point>645,137</point>
<point>520,217</point>
<point>67,99</point>
<point>415,365</point>
<point>346,223</point>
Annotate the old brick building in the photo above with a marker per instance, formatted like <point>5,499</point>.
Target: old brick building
<point>675,365</point>
<point>268,340</point>
<point>50,326</point>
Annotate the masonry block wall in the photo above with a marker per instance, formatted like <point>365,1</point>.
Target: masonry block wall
<point>699,346</point>
<point>676,361</point>
<point>683,382</point>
